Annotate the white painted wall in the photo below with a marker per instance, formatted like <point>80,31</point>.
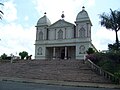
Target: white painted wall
<point>51,35</point>
<point>69,32</point>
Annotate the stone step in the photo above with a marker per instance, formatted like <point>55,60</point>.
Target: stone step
<point>63,70</point>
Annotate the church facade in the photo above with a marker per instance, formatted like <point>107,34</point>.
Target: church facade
<point>62,39</point>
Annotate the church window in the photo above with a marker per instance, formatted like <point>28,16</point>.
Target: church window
<point>39,51</point>
<point>74,31</point>
<point>40,35</point>
<point>82,32</point>
<point>47,34</point>
<point>60,34</point>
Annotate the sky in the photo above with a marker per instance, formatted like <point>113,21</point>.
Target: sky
<point>17,28</point>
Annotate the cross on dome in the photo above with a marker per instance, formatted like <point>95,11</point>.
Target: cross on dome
<point>45,13</point>
<point>62,16</point>
<point>83,8</point>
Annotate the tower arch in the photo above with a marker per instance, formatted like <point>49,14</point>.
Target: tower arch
<point>40,35</point>
<point>82,33</point>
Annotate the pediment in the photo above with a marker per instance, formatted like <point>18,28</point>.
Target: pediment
<point>61,23</point>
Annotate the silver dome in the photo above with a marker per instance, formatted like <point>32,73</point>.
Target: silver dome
<point>43,21</point>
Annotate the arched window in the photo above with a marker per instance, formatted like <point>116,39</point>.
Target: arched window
<point>40,35</point>
<point>39,51</point>
<point>60,34</point>
<point>82,32</point>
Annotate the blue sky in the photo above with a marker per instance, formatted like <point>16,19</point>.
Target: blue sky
<point>17,29</point>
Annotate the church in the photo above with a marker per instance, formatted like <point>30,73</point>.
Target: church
<point>62,39</point>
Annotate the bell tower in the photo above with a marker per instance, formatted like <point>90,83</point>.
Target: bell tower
<point>83,24</point>
<point>83,33</point>
<point>41,35</point>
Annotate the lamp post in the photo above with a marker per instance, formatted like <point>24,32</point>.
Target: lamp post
<point>12,58</point>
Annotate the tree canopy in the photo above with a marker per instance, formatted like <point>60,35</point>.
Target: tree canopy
<point>90,51</point>
<point>23,54</point>
<point>1,12</point>
<point>111,21</point>
<point>4,56</point>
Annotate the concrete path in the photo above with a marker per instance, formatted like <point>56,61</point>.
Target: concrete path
<point>61,83</point>
<point>32,86</point>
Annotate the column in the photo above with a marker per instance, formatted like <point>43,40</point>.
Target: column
<point>55,34</point>
<point>65,53</point>
<point>54,53</point>
<point>65,33</point>
<point>77,31</point>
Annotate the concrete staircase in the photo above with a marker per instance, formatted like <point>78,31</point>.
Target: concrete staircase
<point>61,70</point>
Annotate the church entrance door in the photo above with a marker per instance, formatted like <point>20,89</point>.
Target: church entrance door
<point>62,53</point>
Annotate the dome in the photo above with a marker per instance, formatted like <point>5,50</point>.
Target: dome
<point>82,16</point>
<point>43,21</point>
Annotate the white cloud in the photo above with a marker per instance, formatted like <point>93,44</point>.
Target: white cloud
<point>90,3</point>
<point>10,11</point>
<point>103,37</point>
<point>54,8</point>
<point>15,38</point>
<point>26,18</point>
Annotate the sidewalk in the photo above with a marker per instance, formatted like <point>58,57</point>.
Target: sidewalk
<point>62,83</point>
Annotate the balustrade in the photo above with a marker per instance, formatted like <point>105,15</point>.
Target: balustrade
<point>102,72</point>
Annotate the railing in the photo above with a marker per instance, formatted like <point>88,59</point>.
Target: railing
<point>102,72</point>
<point>11,61</point>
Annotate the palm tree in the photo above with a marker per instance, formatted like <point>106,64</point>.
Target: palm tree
<point>111,21</point>
<point>1,12</point>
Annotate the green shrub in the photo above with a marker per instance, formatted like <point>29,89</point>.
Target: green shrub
<point>4,56</point>
<point>108,61</point>
<point>107,65</point>
<point>115,57</point>
<point>90,51</point>
<point>117,74</point>
<point>23,54</point>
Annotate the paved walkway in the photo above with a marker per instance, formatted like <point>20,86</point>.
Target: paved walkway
<point>62,83</point>
<point>8,85</point>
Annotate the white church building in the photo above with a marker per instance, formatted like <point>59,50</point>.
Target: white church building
<point>62,39</point>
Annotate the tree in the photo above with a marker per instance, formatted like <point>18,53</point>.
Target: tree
<point>112,47</point>
<point>23,54</point>
<point>111,21</point>
<point>4,56</point>
<point>1,12</point>
<point>90,51</point>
